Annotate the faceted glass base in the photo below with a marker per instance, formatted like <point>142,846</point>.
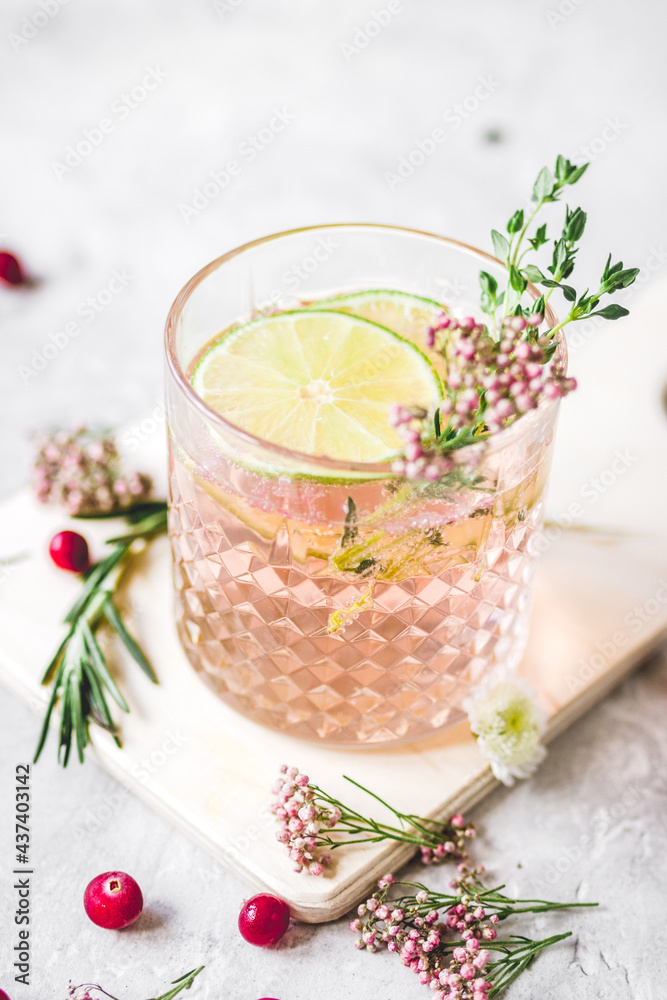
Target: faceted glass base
<point>255,621</point>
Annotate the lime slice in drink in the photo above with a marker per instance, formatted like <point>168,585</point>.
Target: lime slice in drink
<point>407,315</point>
<point>317,381</point>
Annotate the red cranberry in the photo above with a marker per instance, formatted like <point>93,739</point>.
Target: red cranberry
<point>113,900</point>
<point>264,919</point>
<point>3,995</point>
<point>69,550</point>
<point>11,271</point>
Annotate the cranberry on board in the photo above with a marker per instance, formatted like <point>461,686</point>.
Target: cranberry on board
<point>3,995</point>
<point>69,551</point>
<point>113,900</point>
<point>263,919</point>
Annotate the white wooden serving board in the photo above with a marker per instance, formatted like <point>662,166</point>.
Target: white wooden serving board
<point>600,607</point>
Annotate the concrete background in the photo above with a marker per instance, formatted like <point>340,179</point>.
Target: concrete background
<point>510,85</point>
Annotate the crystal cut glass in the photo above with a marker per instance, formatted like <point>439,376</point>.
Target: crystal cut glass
<point>370,652</point>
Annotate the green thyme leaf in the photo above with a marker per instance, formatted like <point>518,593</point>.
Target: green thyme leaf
<point>575,223</point>
<point>517,280</point>
<point>515,225</point>
<point>543,185</point>
<point>576,173</point>
<point>487,282</point>
<point>532,273</point>
<point>612,311</point>
<point>540,237</point>
<point>560,255</point>
<point>501,247</point>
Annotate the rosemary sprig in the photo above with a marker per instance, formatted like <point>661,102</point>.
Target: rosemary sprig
<point>182,983</point>
<point>78,672</point>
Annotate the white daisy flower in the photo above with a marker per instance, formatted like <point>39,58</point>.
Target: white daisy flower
<point>508,723</point>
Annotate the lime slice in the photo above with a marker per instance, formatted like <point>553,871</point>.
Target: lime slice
<point>407,315</point>
<point>317,381</point>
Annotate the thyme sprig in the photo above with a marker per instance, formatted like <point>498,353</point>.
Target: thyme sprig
<point>513,248</point>
<point>78,673</point>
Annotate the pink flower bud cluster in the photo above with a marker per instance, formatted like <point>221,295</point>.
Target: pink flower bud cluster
<point>446,954</point>
<point>302,821</point>
<point>453,847</point>
<point>490,383</point>
<point>420,461</point>
<point>515,378</point>
<point>82,472</point>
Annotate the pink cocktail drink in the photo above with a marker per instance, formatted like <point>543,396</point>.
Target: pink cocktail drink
<point>335,600</point>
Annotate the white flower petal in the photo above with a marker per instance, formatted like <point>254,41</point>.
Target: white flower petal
<point>508,723</point>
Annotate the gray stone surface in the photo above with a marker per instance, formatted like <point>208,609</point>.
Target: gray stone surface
<point>591,826</point>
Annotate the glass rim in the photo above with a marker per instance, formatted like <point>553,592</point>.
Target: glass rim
<point>496,442</point>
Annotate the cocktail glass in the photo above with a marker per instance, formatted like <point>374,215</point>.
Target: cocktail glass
<point>334,600</point>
